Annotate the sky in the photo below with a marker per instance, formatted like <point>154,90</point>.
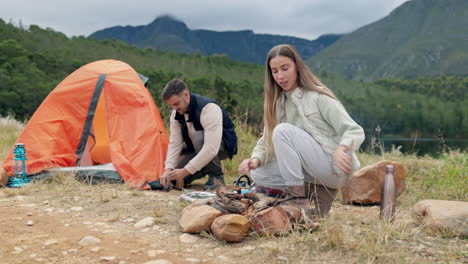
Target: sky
<point>299,18</point>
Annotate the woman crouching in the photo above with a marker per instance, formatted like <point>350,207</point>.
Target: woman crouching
<point>308,146</point>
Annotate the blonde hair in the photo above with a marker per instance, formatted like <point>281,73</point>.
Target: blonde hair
<point>305,79</point>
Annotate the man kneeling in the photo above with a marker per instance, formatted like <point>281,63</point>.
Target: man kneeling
<point>202,134</point>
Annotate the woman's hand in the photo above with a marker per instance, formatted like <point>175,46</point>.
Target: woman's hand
<point>342,159</point>
<point>249,164</point>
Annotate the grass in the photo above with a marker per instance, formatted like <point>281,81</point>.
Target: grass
<point>350,234</point>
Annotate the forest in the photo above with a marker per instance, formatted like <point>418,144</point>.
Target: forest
<point>34,60</point>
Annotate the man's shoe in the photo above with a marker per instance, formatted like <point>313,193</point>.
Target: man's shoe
<point>210,184</point>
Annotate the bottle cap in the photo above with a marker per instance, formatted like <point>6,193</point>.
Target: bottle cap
<point>389,168</point>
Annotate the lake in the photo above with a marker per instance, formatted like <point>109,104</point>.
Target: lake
<point>420,146</point>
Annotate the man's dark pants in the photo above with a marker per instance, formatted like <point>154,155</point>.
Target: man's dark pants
<point>213,168</point>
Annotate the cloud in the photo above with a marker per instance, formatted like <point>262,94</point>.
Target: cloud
<point>301,18</point>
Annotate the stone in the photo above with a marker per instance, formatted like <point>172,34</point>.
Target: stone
<point>3,177</point>
<point>129,220</point>
<point>145,222</point>
<point>107,258</point>
<point>196,219</point>
<point>18,250</point>
<point>159,261</point>
<point>247,248</point>
<point>50,242</point>
<point>442,215</point>
<point>89,240</point>
<point>96,249</point>
<point>223,259</point>
<point>230,227</point>
<point>188,239</point>
<point>76,209</point>
<point>30,223</point>
<point>273,220</point>
<point>294,213</point>
<point>193,260</point>
<point>366,183</point>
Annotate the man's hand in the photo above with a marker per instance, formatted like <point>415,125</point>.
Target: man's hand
<point>164,179</point>
<point>249,164</point>
<point>342,159</point>
<point>178,175</point>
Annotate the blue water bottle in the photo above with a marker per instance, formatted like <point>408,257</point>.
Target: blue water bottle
<point>19,178</point>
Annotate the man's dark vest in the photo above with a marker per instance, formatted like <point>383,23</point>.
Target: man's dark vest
<point>197,102</point>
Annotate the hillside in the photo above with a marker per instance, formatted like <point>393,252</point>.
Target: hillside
<point>34,60</point>
<point>167,33</point>
<point>419,38</point>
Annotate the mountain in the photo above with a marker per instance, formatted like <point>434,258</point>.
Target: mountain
<point>419,38</point>
<point>170,34</point>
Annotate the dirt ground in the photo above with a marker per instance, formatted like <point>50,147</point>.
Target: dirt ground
<point>44,223</point>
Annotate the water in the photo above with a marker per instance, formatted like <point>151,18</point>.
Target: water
<point>419,146</point>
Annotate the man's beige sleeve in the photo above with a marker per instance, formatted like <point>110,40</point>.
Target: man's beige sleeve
<point>211,118</point>
<point>176,143</point>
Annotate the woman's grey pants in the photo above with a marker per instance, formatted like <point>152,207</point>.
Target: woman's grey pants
<point>299,159</point>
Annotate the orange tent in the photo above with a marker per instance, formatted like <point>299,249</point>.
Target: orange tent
<point>100,114</point>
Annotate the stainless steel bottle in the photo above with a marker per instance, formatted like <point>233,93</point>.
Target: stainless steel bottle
<point>388,195</point>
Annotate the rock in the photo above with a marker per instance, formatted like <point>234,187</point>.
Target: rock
<point>273,220</point>
<point>146,222</point>
<point>365,185</point>
<point>50,242</point>
<point>18,250</point>
<point>96,249</point>
<point>230,227</point>
<point>223,259</point>
<point>29,214</point>
<point>30,223</point>
<point>89,240</point>
<point>193,260</point>
<point>188,239</point>
<point>294,213</point>
<point>129,220</point>
<point>45,202</point>
<point>247,248</point>
<point>107,259</point>
<point>3,177</point>
<point>196,219</point>
<point>76,209</point>
<point>159,261</point>
<point>451,216</point>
